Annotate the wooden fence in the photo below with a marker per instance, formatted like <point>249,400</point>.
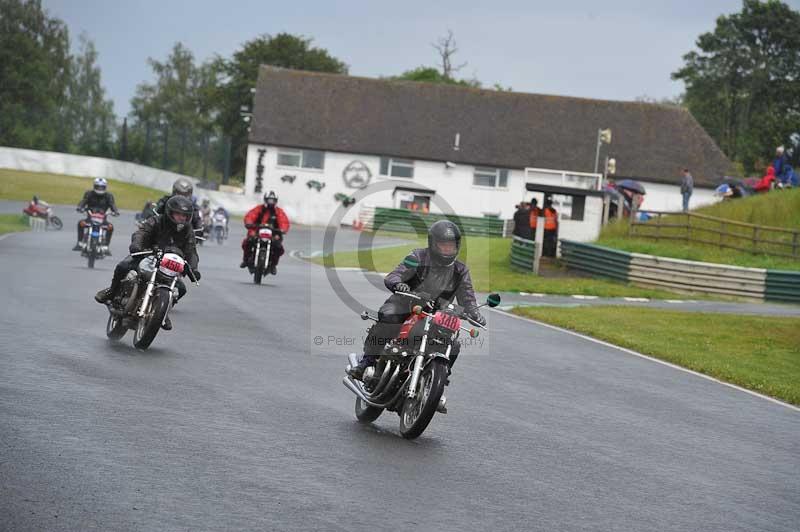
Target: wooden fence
<point>718,232</point>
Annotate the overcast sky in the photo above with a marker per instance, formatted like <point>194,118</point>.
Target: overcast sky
<point>614,49</point>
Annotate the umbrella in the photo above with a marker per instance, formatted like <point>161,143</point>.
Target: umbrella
<point>723,190</point>
<point>633,186</point>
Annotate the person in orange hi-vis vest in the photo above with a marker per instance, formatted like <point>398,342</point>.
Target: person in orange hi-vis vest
<point>534,217</point>
<point>550,229</point>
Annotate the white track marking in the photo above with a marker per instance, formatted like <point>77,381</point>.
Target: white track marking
<point>676,301</point>
<point>576,296</point>
<point>636,299</point>
<point>652,359</point>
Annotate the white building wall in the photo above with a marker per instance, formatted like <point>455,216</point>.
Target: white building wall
<point>661,197</point>
<point>453,187</point>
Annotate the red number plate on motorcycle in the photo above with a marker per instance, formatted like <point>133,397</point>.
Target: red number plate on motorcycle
<point>172,263</point>
<point>448,321</point>
<point>98,217</point>
<point>265,233</point>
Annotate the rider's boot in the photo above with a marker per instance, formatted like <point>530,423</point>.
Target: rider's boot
<point>366,361</point>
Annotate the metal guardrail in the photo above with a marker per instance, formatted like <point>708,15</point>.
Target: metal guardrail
<point>682,275</point>
<point>405,221</point>
<point>523,253</point>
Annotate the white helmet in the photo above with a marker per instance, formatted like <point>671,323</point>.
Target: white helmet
<point>100,185</point>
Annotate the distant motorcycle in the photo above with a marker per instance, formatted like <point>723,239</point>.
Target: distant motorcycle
<point>219,227</point>
<point>412,371</point>
<point>95,229</point>
<point>146,296</point>
<point>42,209</point>
<point>262,243</point>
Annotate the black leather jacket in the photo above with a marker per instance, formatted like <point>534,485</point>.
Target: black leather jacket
<point>98,202</point>
<point>160,232</point>
<point>460,285</point>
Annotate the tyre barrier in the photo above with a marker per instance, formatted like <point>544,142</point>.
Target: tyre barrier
<point>682,275</point>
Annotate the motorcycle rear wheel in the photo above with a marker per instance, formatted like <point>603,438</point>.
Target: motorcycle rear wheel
<point>416,413</point>
<point>366,413</point>
<point>115,329</point>
<point>150,323</point>
<point>56,222</point>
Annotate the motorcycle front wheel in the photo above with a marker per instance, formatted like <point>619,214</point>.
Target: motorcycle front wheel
<point>260,267</point>
<point>92,251</point>
<point>366,413</point>
<point>150,323</point>
<point>114,328</point>
<point>56,222</point>
<point>220,235</point>
<point>416,413</point>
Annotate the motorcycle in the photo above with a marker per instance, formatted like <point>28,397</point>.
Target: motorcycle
<point>146,296</point>
<point>263,245</point>
<point>43,210</point>
<point>94,245</point>
<point>411,373</point>
<point>219,226</point>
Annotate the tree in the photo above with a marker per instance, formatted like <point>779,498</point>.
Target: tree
<point>432,75</point>
<point>446,48</point>
<point>34,71</point>
<point>743,85</point>
<point>89,115</point>
<point>241,74</point>
<point>180,105</point>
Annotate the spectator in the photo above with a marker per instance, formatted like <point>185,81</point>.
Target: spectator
<point>766,183</point>
<point>550,228</point>
<point>533,219</point>
<point>781,166</point>
<point>521,224</point>
<point>687,187</point>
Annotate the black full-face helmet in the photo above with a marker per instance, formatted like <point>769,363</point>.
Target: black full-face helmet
<point>270,199</point>
<point>182,187</point>
<point>444,242</point>
<point>179,211</point>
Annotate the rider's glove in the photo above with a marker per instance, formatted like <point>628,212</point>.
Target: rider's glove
<point>477,317</point>
<point>402,287</point>
<point>79,209</point>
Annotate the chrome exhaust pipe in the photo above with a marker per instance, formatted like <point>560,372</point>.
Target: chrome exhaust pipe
<point>385,374</point>
<point>356,389</point>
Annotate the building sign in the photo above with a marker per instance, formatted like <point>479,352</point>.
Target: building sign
<point>356,175</point>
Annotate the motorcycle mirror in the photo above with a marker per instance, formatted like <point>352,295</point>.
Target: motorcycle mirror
<point>493,300</point>
<point>365,315</point>
<point>473,333</point>
<point>411,262</point>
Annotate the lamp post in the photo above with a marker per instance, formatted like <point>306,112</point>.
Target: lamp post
<point>603,137</point>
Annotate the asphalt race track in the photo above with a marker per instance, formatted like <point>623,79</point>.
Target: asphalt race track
<point>237,418</point>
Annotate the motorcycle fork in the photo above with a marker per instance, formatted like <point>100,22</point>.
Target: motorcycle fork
<point>171,297</point>
<point>258,249</point>
<point>419,361</point>
<point>148,293</point>
<point>266,262</point>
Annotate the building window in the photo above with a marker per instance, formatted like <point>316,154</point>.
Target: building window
<point>302,158</point>
<point>397,167</point>
<point>490,177</point>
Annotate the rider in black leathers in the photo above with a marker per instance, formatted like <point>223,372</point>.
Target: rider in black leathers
<point>182,187</point>
<point>169,230</point>
<point>99,200</point>
<point>438,274</point>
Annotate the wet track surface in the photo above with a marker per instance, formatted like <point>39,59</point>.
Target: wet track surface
<point>237,419</point>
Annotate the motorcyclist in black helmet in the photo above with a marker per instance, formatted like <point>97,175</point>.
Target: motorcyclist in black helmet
<point>438,274</point>
<point>172,229</point>
<point>182,187</point>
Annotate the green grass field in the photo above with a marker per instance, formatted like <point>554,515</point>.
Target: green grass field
<point>11,223</point>
<point>776,209</point>
<point>758,353</point>
<point>488,260</point>
<point>68,190</point>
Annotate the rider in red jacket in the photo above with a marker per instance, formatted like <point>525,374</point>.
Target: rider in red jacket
<point>269,214</point>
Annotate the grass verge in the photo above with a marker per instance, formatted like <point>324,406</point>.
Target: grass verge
<point>11,223</point>
<point>754,352</point>
<point>775,209</point>
<point>489,263</point>
<point>68,190</point>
